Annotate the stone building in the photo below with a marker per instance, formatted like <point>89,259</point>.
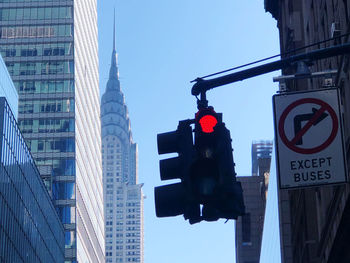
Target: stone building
<point>314,222</point>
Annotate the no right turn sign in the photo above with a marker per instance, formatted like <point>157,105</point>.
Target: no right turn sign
<point>309,138</point>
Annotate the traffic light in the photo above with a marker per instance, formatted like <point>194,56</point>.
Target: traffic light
<point>212,172</point>
<point>174,199</point>
<point>208,189</point>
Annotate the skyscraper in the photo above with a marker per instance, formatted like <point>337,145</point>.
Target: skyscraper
<point>261,150</point>
<point>50,50</point>
<point>249,227</point>
<point>30,230</point>
<point>7,89</point>
<point>123,197</point>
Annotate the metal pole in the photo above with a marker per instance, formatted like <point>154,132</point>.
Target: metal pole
<point>204,85</point>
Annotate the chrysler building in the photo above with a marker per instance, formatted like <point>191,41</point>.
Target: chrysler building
<point>123,198</point>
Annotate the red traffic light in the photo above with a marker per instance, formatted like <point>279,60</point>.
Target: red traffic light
<point>208,123</point>
<point>207,119</point>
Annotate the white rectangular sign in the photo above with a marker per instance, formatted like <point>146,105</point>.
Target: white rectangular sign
<point>309,138</point>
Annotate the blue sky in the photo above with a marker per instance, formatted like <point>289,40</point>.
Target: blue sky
<point>162,46</point>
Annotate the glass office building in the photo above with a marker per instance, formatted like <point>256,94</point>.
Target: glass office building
<point>7,89</point>
<point>30,230</point>
<point>50,50</point>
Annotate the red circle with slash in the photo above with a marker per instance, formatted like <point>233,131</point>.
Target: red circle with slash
<point>291,144</point>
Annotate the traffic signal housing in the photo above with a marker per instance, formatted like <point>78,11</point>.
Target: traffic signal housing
<point>208,189</point>
<point>213,173</point>
<point>172,200</point>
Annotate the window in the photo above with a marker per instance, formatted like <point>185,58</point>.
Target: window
<point>29,52</point>
<point>70,239</point>
<point>40,146</point>
<point>63,191</point>
<point>10,53</point>
<point>246,230</point>
<point>66,214</point>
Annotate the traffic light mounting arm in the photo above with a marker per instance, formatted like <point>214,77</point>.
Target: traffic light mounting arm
<point>202,86</point>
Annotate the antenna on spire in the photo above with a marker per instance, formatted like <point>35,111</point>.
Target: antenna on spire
<point>114,31</point>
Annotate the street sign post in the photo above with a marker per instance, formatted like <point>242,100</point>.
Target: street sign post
<point>309,138</point>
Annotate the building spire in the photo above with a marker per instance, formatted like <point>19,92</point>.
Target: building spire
<point>113,82</point>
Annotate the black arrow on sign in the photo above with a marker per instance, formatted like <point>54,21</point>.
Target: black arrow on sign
<point>298,119</point>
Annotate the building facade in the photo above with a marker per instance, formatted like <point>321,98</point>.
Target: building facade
<point>122,194</point>
<point>261,150</point>
<point>249,227</point>
<point>50,50</point>
<point>7,89</point>
<point>314,222</point>
<point>30,230</point>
